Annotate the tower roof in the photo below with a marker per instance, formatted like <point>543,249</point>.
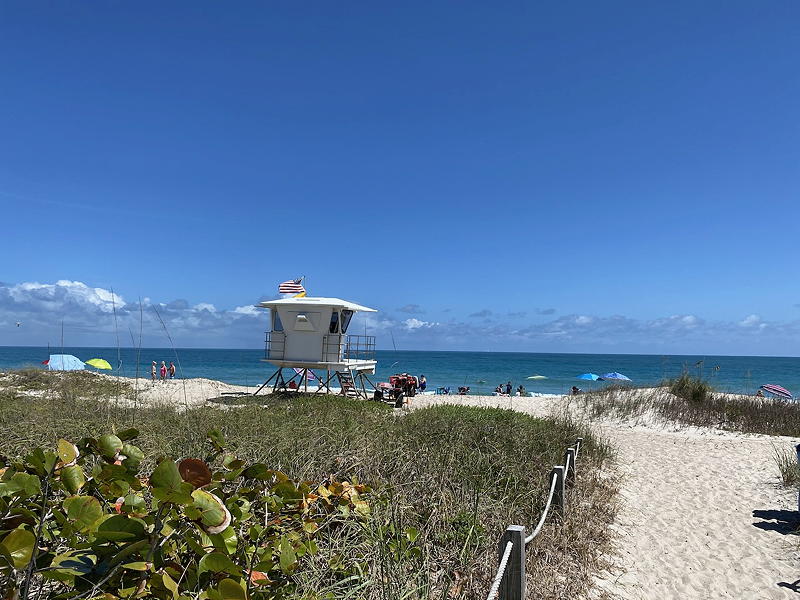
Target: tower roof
<point>308,301</point>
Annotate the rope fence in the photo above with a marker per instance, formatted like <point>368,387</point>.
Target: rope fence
<point>509,581</point>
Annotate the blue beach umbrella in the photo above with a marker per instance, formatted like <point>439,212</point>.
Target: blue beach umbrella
<point>615,375</point>
<point>589,377</point>
<point>64,362</point>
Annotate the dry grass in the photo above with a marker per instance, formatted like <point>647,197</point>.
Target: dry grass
<point>786,461</point>
<point>697,405</point>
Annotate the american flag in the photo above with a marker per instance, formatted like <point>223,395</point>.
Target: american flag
<point>293,286</point>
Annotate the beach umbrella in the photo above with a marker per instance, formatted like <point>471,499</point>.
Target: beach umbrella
<point>615,375</point>
<point>777,390</point>
<point>64,362</point>
<point>589,376</point>
<point>99,363</point>
<point>309,375</point>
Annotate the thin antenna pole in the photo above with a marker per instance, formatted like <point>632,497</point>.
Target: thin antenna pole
<point>175,352</point>
<point>138,361</point>
<point>119,352</point>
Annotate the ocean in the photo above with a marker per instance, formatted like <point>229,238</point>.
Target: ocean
<point>481,371</point>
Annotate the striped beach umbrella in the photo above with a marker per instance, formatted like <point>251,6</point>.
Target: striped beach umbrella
<point>777,390</point>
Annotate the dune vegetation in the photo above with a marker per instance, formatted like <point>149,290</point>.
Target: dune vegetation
<point>694,402</point>
<point>322,497</point>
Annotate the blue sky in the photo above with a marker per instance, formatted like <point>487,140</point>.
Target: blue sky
<point>617,176</point>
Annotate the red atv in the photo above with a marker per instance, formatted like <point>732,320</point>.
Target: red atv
<point>399,388</point>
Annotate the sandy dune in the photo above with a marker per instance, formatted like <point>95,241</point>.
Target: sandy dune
<point>703,515</point>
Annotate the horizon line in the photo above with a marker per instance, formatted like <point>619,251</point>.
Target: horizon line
<point>441,351</point>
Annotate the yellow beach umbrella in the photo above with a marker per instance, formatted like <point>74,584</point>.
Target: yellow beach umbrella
<point>99,363</point>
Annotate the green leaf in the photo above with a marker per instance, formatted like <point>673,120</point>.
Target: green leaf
<point>136,566</point>
<point>64,567</point>
<point>20,484</point>
<point>168,485</point>
<point>257,471</point>
<point>67,451</point>
<point>288,557</point>
<point>83,510</point>
<point>133,504</point>
<point>287,490</point>
<point>128,434</point>
<point>225,541</point>
<point>412,533</point>
<point>73,478</point>
<point>170,584</point>
<point>133,457</point>
<point>214,516</point>
<point>17,547</point>
<point>119,528</point>
<point>231,590</point>
<point>109,445</point>
<point>230,462</point>
<point>215,437</point>
<point>43,462</point>
<point>216,562</point>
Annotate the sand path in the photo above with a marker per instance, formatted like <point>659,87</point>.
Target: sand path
<point>703,515</point>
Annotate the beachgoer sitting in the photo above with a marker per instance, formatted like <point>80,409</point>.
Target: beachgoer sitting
<point>575,390</point>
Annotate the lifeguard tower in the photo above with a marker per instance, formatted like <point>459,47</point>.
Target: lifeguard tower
<point>310,334</point>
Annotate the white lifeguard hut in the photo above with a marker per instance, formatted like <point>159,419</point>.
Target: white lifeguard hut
<point>310,334</point>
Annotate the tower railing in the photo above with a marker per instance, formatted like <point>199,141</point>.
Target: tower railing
<point>275,345</point>
<point>348,347</point>
<point>335,347</point>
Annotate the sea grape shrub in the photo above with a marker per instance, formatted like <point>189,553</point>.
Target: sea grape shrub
<point>82,522</point>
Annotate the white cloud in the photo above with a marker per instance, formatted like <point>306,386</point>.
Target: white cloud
<point>88,320</point>
<point>249,309</point>
<point>750,321</point>
<point>88,316</point>
<point>411,324</point>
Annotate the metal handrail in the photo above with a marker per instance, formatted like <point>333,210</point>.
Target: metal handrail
<point>539,526</point>
<point>501,570</point>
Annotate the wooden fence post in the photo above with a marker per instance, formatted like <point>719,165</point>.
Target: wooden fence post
<point>569,458</point>
<point>559,496</point>
<point>512,586</point>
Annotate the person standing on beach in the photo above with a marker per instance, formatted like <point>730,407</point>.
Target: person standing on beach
<point>153,371</point>
<point>509,387</point>
<point>423,383</point>
<point>163,370</point>
<point>171,370</point>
